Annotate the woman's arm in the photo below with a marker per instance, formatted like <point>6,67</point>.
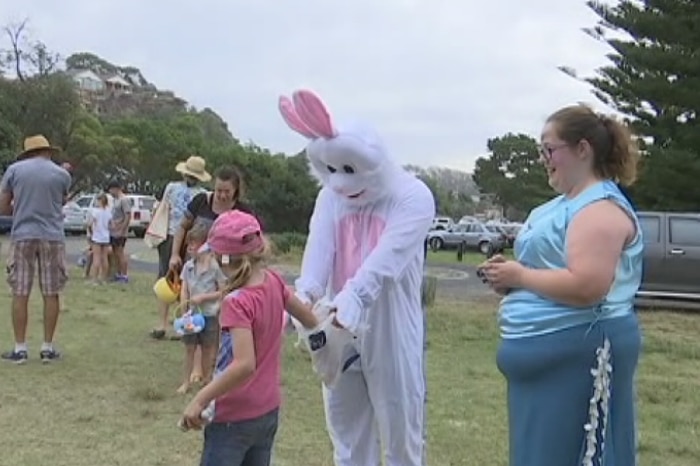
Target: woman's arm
<point>301,312</point>
<point>594,242</point>
<point>237,373</point>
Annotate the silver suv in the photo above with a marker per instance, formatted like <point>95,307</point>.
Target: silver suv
<point>474,236</point>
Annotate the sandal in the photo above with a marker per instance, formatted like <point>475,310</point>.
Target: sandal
<point>157,334</point>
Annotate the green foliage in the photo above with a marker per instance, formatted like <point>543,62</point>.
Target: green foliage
<point>512,172</point>
<point>654,79</point>
<point>283,243</point>
<point>141,141</point>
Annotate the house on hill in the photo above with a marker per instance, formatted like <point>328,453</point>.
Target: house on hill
<point>87,80</point>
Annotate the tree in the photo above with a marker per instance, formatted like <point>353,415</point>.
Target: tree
<point>139,141</point>
<point>512,172</point>
<point>654,79</point>
<point>26,57</point>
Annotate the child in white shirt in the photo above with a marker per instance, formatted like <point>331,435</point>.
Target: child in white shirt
<point>100,218</point>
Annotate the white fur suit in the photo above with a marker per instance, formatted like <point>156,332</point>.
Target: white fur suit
<point>365,251</point>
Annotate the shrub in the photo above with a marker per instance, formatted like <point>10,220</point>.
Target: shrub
<point>283,243</point>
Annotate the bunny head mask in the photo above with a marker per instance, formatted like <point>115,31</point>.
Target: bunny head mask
<point>350,160</point>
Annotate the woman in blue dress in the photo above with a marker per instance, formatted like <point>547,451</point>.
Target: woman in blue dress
<point>570,336</point>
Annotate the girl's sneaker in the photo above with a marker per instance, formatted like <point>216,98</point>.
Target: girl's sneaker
<point>18,357</point>
<point>49,355</point>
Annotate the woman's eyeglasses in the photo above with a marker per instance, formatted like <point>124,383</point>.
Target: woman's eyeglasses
<point>548,151</point>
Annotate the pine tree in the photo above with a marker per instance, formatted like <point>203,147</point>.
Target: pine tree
<point>654,79</point>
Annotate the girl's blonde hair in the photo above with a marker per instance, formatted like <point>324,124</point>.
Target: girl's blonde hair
<point>102,200</point>
<point>241,268</point>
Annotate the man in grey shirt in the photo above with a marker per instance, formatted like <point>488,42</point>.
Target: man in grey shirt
<point>119,228</point>
<point>33,190</point>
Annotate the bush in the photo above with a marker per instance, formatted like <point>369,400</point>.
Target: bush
<point>283,243</point>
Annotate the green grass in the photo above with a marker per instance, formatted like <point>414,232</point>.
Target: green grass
<point>444,258</point>
<point>449,257</point>
<point>112,400</point>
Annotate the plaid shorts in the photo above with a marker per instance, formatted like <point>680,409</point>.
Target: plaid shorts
<point>22,260</point>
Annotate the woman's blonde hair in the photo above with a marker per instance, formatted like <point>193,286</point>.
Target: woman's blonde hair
<point>240,268</point>
<point>615,151</point>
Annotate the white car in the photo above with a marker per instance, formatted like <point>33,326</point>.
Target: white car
<point>74,219</point>
<point>142,207</point>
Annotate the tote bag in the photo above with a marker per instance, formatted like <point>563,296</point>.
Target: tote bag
<point>157,230</point>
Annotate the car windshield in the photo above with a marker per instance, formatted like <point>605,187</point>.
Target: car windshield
<point>147,203</point>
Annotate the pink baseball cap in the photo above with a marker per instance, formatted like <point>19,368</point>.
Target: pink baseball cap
<point>234,233</point>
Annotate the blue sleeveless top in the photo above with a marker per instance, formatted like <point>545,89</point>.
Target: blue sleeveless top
<point>541,244</point>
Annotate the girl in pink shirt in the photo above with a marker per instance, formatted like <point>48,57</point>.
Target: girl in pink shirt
<point>240,406</point>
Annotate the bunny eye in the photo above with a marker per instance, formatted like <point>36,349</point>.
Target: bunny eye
<point>331,169</point>
<point>348,169</point>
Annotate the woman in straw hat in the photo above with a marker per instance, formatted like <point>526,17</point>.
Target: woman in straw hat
<point>177,196</point>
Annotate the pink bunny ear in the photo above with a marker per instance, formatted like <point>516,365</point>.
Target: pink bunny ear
<point>313,113</point>
<point>290,116</point>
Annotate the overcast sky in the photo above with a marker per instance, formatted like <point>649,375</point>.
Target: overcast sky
<point>437,78</point>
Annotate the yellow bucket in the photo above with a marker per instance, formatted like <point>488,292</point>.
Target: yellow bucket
<point>167,289</point>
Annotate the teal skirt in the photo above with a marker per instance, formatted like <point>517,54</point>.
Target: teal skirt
<point>571,395</point>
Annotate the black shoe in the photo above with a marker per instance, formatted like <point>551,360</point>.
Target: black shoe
<point>49,355</point>
<point>18,357</point>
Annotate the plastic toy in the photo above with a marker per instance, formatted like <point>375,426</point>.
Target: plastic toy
<point>167,289</point>
<point>189,323</point>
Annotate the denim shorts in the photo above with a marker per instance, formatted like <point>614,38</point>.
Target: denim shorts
<point>209,335</point>
<point>243,443</point>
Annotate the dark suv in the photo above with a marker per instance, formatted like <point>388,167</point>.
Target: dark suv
<point>671,255</point>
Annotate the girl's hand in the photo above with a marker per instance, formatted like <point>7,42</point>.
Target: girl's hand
<point>504,275</point>
<point>192,416</point>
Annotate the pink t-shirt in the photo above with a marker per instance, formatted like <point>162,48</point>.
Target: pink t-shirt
<point>260,309</point>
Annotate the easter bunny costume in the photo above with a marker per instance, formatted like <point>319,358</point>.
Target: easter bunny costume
<point>365,254</point>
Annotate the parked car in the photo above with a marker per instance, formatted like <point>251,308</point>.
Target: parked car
<point>671,255</point>
<point>74,219</point>
<point>142,207</point>
<point>442,223</point>
<point>474,236</point>
<point>508,238</point>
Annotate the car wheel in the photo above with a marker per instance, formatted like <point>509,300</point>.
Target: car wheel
<point>436,244</point>
<point>485,248</point>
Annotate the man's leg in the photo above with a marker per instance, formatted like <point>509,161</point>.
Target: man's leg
<point>350,421</point>
<point>20,277</point>
<point>124,261</point>
<point>164,250</point>
<point>52,280</point>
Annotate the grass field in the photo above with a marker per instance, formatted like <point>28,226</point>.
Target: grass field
<point>112,400</point>
<point>437,258</point>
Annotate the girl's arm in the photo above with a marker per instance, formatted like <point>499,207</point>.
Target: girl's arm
<point>184,291</point>
<point>301,312</point>
<point>237,373</point>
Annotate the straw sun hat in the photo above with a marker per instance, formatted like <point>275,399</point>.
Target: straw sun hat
<point>194,166</point>
<point>34,144</point>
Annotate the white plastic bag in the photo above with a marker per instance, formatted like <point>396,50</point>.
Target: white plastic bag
<point>327,344</point>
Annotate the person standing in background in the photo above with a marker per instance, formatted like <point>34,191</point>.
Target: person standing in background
<point>33,190</point>
<point>119,229</point>
<point>177,196</point>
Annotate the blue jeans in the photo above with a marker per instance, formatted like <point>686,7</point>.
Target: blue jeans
<point>243,443</point>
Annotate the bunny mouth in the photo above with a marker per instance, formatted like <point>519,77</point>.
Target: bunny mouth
<point>356,195</point>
